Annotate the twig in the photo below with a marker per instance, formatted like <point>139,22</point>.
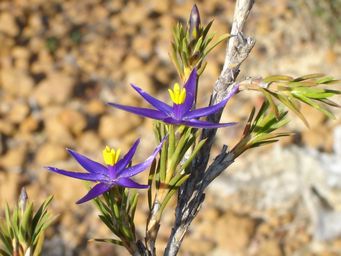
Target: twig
<point>191,194</point>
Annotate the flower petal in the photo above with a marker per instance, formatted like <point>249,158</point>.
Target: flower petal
<point>204,111</point>
<point>133,170</point>
<point>80,175</point>
<point>204,124</point>
<point>191,87</point>
<point>129,183</point>
<point>163,107</point>
<point>211,109</point>
<point>96,191</point>
<point>88,164</point>
<point>127,158</point>
<point>146,112</point>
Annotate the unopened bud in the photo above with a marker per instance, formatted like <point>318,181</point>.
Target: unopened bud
<point>194,22</point>
<point>23,199</point>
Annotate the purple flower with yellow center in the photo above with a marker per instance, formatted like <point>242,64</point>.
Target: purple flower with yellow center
<point>115,173</point>
<point>182,112</point>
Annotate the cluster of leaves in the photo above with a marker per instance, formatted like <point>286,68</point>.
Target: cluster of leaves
<point>260,129</point>
<point>117,211</point>
<point>305,89</point>
<point>191,44</point>
<point>172,169</point>
<point>22,230</point>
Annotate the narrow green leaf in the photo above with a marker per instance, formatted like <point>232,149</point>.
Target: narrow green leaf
<point>108,240</point>
<point>194,153</point>
<point>270,100</point>
<point>220,39</point>
<point>207,28</point>
<point>287,102</point>
<point>277,78</point>
<point>315,105</point>
<point>306,77</point>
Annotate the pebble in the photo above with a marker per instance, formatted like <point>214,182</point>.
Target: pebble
<point>233,232</point>
<point>73,120</point>
<point>57,88</point>
<point>8,24</point>
<point>18,113</point>
<point>15,158</point>
<point>16,82</point>
<point>50,153</point>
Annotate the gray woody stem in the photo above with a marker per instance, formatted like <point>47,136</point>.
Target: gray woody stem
<point>191,194</point>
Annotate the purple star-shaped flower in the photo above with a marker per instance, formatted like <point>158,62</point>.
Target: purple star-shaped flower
<point>181,113</point>
<point>115,173</point>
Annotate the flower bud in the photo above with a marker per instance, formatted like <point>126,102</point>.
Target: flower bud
<point>23,200</point>
<point>194,22</point>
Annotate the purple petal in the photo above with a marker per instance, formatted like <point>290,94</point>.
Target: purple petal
<point>133,170</point>
<point>163,107</point>
<point>205,124</point>
<point>191,87</point>
<point>88,164</point>
<point>205,111</point>
<point>211,109</point>
<point>146,112</point>
<point>129,183</point>
<point>96,191</point>
<point>80,175</point>
<point>127,158</point>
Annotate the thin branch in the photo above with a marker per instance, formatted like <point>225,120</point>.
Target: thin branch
<point>191,194</point>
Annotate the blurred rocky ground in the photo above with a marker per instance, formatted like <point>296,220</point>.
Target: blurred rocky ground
<point>61,61</point>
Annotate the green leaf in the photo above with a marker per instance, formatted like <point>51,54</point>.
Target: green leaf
<point>207,28</point>
<point>291,105</point>
<point>175,183</point>
<point>326,80</point>
<point>194,153</point>
<point>316,106</point>
<point>268,96</point>
<point>277,78</point>
<point>307,77</point>
<point>108,240</point>
<point>220,39</point>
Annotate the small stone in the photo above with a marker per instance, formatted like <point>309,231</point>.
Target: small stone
<point>57,132</point>
<point>143,46</point>
<point>141,79</point>
<point>8,24</point>
<point>95,107</point>
<point>196,246</point>
<point>131,63</point>
<point>7,128</point>
<point>14,158</point>
<point>159,6</point>
<point>233,232</point>
<point>9,186</point>
<point>16,82</point>
<point>29,125</point>
<point>115,126</point>
<point>89,141</point>
<point>50,153</point>
<point>269,248</point>
<point>18,113</point>
<point>57,88</point>
<point>133,14</point>
<point>73,120</point>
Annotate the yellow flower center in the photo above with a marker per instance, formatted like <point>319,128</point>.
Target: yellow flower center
<point>178,95</point>
<point>111,156</point>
